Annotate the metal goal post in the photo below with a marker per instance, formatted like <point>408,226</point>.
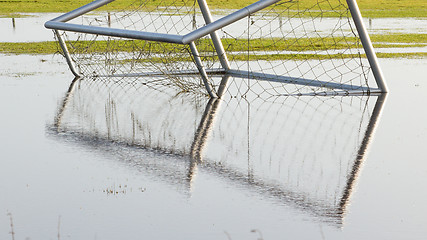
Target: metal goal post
<point>210,28</point>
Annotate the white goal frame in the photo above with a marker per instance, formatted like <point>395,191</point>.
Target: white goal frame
<point>61,23</point>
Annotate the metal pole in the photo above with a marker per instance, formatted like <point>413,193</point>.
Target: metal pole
<point>81,10</point>
<point>367,44</point>
<point>214,36</point>
<point>67,54</point>
<point>227,20</point>
<point>202,70</point>
<point>114,32</point>
<point>59,23</point>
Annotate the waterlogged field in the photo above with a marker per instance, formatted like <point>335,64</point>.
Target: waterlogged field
<point>378,8</point>
<point>398,37</point>
<point>106,159</point>
<point>155,158</point>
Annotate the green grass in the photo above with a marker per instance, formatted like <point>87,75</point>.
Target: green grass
<point>28,48</point>
<point>402,55</point>
<point>302,57</point>
<point>232,46</point>
<point>303,44</point>
<point>369,8</point>
<point>400,38</point>
<point>242,57</point>
<point>322,57</point>
<point>328,43</point>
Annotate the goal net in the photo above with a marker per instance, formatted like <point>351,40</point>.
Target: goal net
<point>287,48</point>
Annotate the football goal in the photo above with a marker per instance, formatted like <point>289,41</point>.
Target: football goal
<point>278,47</point>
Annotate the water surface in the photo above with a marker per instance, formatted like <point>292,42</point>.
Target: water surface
<point>103,159</point>
<point>31,28</point>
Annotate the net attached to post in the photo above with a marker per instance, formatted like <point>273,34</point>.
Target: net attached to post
<point>288,48</point>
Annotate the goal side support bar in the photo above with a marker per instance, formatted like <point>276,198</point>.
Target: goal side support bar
<point>367,45</point>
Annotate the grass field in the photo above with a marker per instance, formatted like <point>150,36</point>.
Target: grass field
<point>301,44</point>
<point>369,8</point>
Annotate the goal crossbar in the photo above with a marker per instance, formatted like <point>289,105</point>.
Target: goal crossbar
<point>60,23</point>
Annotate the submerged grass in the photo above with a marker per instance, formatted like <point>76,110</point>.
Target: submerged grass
<point>231,45</point>
<point>29,47</point>
<point>369,8</point>
<point>298,57</point>
<point>400,38</point>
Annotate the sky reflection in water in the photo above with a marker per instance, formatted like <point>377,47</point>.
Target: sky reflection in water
<point>120,159</point>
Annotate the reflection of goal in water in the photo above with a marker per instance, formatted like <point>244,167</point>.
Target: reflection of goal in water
<point>276,46</point>
<point>302,151</point>
<point>145,69</point>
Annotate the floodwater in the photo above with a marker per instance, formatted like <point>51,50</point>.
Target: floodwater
<point>31,28</point>
<point>129,159</point>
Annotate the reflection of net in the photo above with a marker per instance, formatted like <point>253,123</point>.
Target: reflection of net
<point>298,149</point>
<point>290,40</point>
<point>144,112</point>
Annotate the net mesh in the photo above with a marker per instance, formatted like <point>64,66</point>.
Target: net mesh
<point>299,150</point>
<point>289,48</point>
